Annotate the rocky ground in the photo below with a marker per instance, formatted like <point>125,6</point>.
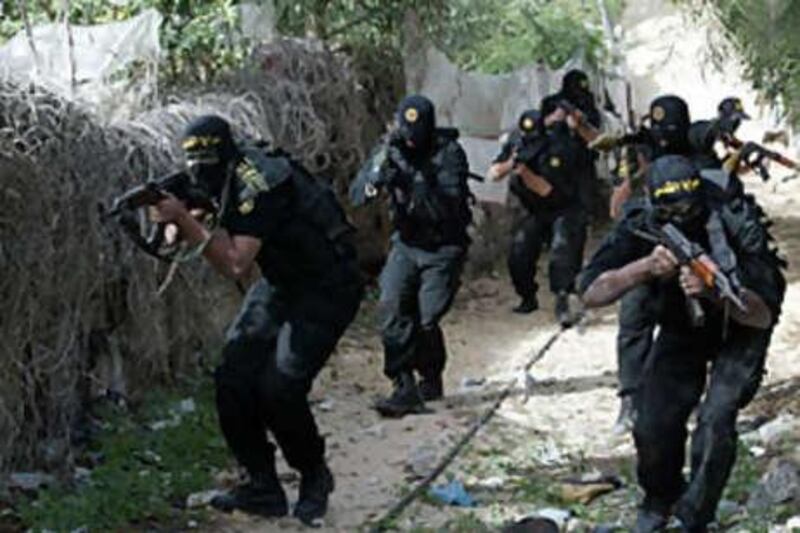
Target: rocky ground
<point>551,448</point>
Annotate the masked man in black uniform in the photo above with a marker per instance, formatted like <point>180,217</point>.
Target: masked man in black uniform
<point>424,171</point>
<point>544,167</point>
<point>722,355</point>
<point>278,217</point>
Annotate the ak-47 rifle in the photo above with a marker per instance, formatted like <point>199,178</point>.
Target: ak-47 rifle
<point>128,210</point>
<point>693,255</point>
<point>763,153</point>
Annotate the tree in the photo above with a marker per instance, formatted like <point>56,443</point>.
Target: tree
<point>764,35</point>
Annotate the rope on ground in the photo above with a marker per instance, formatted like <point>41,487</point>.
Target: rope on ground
<point>400,506</point>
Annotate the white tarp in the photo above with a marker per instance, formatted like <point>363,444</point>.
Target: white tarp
<point>484,106</point>
<point>99,52</point>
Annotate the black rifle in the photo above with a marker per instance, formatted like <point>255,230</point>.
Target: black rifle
<point>125,208</point>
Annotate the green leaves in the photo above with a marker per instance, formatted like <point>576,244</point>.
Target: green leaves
<point>764,35</point>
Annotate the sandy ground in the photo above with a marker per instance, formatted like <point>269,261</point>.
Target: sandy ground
<point>569,415</point>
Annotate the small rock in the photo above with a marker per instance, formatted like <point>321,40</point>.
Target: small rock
<point>726,510</point>
<point>757,451</point>
<point>491,483</point>
<point>159,425</point>
<point>187,406</point>
<point>378,431</point>
<point>422,459</point>
<point>192,524</point>
<point>201,499</point>
<point>780,483</point>
<point>81,475</point>
<point>472,383</point>
<point>559,516</point>
<point>774,431</point>
<point>326,405</point>
<point>29,481</point>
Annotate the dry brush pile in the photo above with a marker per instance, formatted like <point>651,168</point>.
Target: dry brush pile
<point>80,311</point>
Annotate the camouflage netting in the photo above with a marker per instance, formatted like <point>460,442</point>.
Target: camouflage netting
<point>80,309</point>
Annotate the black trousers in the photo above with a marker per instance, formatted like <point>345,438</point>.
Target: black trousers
<point>417,289</point>
<point>566,230</point>
<point>273,351</point>
<point>637,322</point>
<point>683,367</point>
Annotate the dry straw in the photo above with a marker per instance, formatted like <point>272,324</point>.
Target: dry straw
<point>80,311</point>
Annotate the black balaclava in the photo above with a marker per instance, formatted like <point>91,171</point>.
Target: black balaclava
<point>208,146</point>
<point>416,122</point>
<point>731,113</point>
<point>669,124</point>
<point>576,88</point>
<point>676,193</point>
<point>530,124</point>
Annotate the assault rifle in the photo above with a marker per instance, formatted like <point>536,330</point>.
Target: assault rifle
<point>763,153</point>
<point>128,209</point>
<point>693,255</point>
<point>586,130</point>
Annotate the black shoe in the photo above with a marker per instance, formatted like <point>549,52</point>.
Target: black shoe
<point>262,495</point>
<point>431,388</point>
<point>315,486</point>
<point>563,315</point>
<point>527,305</point>
<point>405,399</point>
<point>626,417</point>
<point>650,521</point>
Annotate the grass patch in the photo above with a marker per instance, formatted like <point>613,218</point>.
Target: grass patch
<point>146,474</point>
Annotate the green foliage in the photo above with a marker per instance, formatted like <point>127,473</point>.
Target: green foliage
<point>201,38</point>
<point>764,35</point>
<point>496,37</point>
<point>488,35</point>
<point>145,475</point>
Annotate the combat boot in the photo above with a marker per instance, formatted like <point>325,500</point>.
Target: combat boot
<point>316,484</point>
<point>262,495</point>
<point>563,315</point>
<point>405,399</point>
<point>626,417</point>
<point>528,305</point>
<point>650,520</point>
<point>431,388</point>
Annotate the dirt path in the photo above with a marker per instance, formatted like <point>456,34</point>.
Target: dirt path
<point>564,427</point>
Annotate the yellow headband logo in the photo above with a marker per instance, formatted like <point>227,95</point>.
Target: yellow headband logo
<point>411,115</point>
<point>585,84</point>
<point>738,105</point>
<point>528,123</point>
<point>555,162</point>
<point>658,113</point>
<point>672,187</point>
<point>190,143</point>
